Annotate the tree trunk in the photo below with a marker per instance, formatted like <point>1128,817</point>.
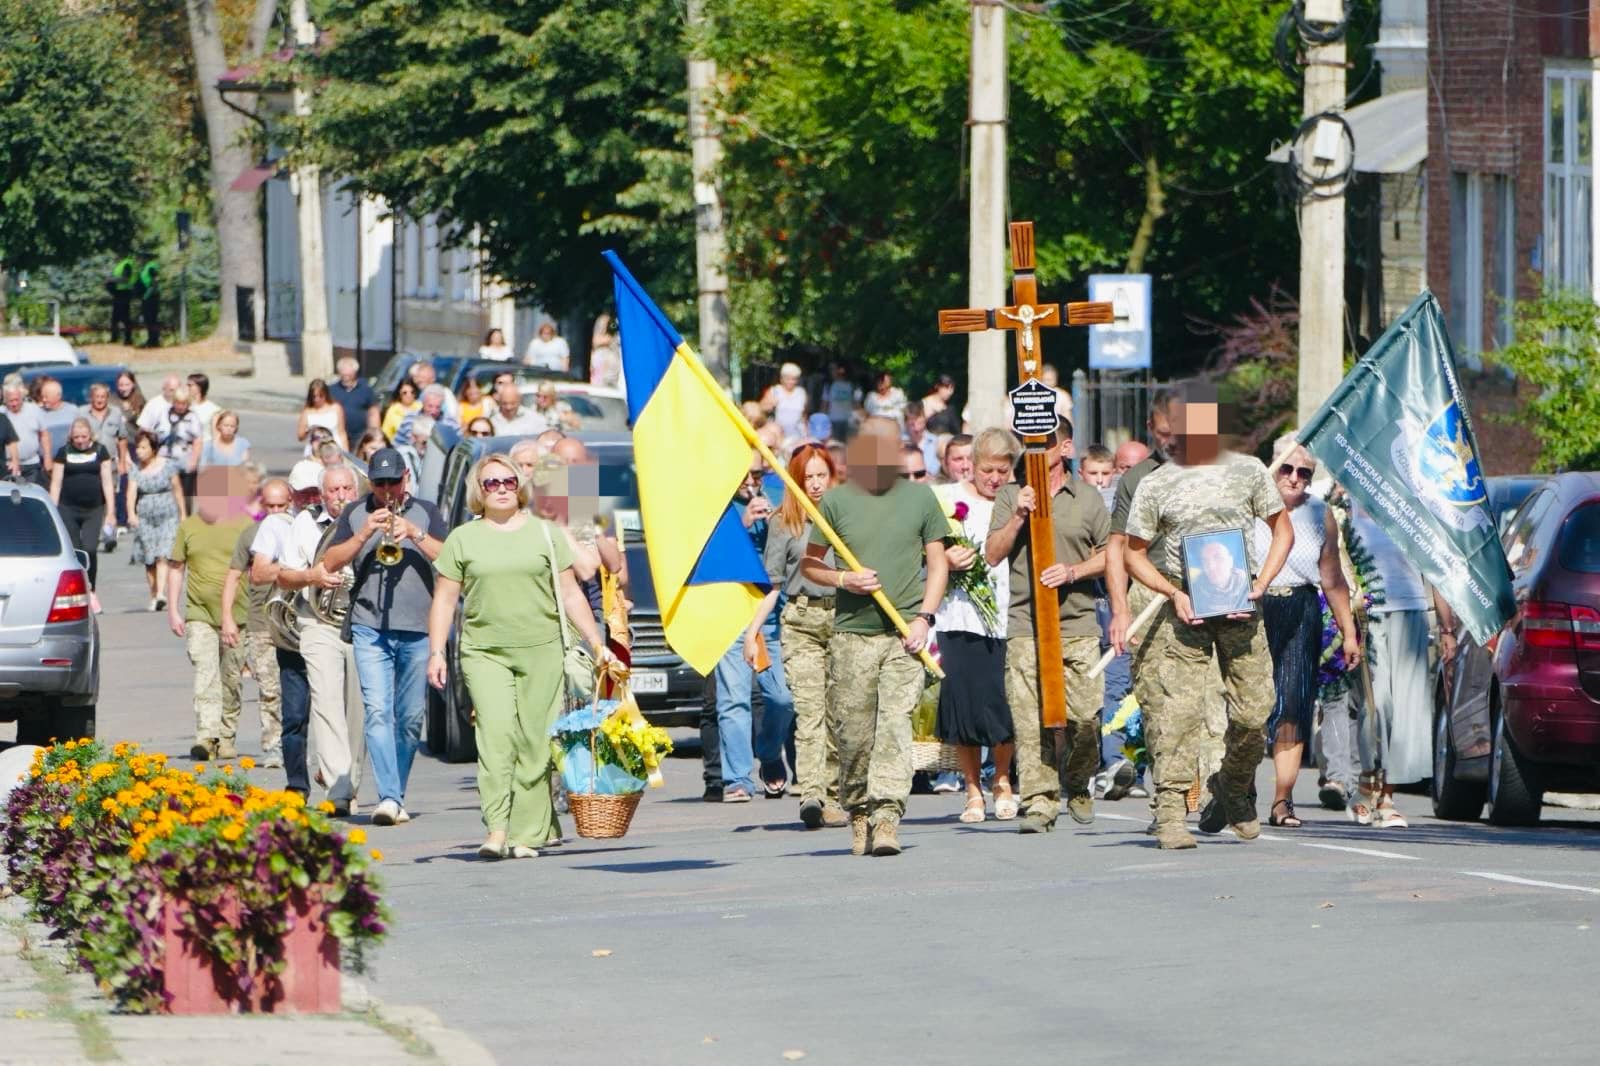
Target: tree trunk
<point>238,223</point>
<point>260,39</point>
<point>1155,205</point>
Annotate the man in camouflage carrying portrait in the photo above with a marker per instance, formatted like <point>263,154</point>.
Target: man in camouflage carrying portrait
<point>1202,490</point>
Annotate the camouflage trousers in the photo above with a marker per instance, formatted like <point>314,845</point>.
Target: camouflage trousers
<point>1050,761</point>
<point>874,685</point>
<point>263,660</point>
<point>1208,747</point>
<point>806,632</point>
<point>1178,665</point>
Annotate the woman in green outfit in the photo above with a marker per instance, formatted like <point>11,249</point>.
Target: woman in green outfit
<point>511,566</point>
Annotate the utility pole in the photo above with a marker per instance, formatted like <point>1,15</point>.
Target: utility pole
<point>986,251</point>
<point>710,239</point>
<point>316,341</point>
<point>1325,162</point>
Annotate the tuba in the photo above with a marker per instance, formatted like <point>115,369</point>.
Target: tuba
<point>330,606</point>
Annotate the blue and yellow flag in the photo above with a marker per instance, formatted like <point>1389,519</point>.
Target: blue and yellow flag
<point>691,456</point>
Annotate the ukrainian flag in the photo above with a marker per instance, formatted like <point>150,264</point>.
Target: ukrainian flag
<point>691,455</point>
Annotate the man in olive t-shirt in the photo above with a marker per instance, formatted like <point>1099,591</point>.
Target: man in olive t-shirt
<point>1081,525</point>
<point>201,552</point>
<point>874,679</point>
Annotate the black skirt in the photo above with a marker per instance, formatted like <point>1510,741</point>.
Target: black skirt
<point>972,697</point>
<point>1294,635</point>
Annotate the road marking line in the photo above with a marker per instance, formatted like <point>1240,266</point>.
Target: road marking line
<point>1373,852</point>
<point>1530,882</point>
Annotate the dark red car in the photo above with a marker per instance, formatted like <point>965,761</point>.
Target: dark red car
<point>1521,716</point>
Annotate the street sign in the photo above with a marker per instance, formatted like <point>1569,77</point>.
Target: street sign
<point>1123,344</point>
<point>1033,409</point>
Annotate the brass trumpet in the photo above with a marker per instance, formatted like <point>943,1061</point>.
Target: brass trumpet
<point>388,551</point>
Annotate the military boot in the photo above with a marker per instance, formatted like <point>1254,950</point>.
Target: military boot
<point>886,838</point>
<point>1081,808</point>
<point>1171,809</point>
<point>860,835</point>
<point>834,816</point>
<point>1241,808</point>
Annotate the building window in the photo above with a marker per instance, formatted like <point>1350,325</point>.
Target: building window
<point>1466,263</point>
<point>430,258</point>
<point>1503,263</point>
<point>1568,178</point>
<point>411,239</point>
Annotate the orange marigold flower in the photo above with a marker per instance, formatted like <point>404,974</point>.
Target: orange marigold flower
<point>358,836</point>
<point>65,822</point>
<point>233,832</point>
<point>247,763</point>
<point>326,806</point>
<point>377,856</point>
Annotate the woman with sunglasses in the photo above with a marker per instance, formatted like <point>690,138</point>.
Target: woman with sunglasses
<point>1292,614</point>
<point>510,567</point>
<point>480,427</point>
<point>402,403</point>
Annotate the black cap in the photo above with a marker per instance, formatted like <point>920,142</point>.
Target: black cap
<point>385,463</point>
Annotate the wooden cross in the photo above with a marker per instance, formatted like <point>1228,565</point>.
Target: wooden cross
<point>1026,316</point>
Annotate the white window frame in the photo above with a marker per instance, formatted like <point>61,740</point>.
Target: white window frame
<point>1569,217</point>
<point>1468,332</point>
<point>429,289</point>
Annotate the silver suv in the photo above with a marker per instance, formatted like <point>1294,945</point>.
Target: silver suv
<point>49,641</point>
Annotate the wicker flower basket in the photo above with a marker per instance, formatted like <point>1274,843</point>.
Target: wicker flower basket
<point>602,817</point>
<point>933,756</point>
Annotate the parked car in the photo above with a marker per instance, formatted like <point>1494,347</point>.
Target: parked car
<point>400,364</point>
<point>485,370</point>
<point>76,380</point>
<point>49,640</point>
<point>669,691</point>
<point>1520,716</point>
<point>45,349</point>
<point>597,408</point>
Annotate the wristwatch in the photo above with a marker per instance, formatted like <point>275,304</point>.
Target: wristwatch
<point>927,616</point>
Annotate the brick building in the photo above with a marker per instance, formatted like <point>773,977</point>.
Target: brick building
<point>1510,169</point>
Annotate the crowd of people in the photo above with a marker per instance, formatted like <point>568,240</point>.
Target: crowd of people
<point>336,589</point>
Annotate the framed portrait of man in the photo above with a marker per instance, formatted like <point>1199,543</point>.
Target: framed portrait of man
<point>1216,573</point>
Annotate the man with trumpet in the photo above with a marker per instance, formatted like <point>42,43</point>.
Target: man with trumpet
<point>391,541</point>
<point>336,717</point>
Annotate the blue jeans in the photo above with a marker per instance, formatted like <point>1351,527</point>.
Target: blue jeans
<point>295,702</point>
<point>392,666</point>
<point>736,679</point>
<point>1119,682</point>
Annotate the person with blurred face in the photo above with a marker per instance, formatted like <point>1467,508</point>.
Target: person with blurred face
<point>254,641</point>
<point>198,566</point>
<point>1203,490</point>
<point>891,524</point>
<point>388,620</point>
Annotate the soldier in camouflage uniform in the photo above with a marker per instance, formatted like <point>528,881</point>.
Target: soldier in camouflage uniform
<point>1202,491</point>
<point>874,680</point>
<point>1081,526</point>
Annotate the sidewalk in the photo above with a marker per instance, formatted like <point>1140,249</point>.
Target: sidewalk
<point>50,1013</point>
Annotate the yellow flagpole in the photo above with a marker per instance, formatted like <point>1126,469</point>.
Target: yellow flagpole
<point>840,549</point>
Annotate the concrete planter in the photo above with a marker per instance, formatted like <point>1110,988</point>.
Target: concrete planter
<point>194,983</point>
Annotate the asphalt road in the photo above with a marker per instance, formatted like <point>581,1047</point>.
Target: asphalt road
<point>725,934</point>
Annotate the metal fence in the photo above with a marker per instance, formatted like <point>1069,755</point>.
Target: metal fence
<point>1110,408</point>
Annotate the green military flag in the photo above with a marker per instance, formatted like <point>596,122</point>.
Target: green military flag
<point>1395,434</point>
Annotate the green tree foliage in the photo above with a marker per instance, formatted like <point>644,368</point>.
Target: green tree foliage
<point>553,127</point>
<point>1556,349</point>
<point>73,171</point>
<point>1137,137</point>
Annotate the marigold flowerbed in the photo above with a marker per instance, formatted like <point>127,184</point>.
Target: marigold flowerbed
<point>111,845</point>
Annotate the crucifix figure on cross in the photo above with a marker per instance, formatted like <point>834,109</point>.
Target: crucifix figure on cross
<point>1034,419</point>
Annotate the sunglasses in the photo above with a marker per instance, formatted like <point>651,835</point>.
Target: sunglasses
<point>1302,472</point>
<point>916,475</point>
<point>495,484</point>
<point>480,432</point>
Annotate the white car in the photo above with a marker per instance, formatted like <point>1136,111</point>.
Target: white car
<point>594,406</point>
<point>42,350</point>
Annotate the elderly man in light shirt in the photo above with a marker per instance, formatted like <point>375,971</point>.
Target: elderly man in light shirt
<point>35,450</point>
<point>510,418</point>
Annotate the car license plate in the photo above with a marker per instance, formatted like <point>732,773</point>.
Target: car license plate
<point>649,681</point>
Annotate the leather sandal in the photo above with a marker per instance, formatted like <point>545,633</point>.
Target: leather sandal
<point>972,813</point>
<point>1289,819</point>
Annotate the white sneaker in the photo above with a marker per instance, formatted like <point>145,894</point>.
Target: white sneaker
<point>403,817</point>
<point>386,813</point>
